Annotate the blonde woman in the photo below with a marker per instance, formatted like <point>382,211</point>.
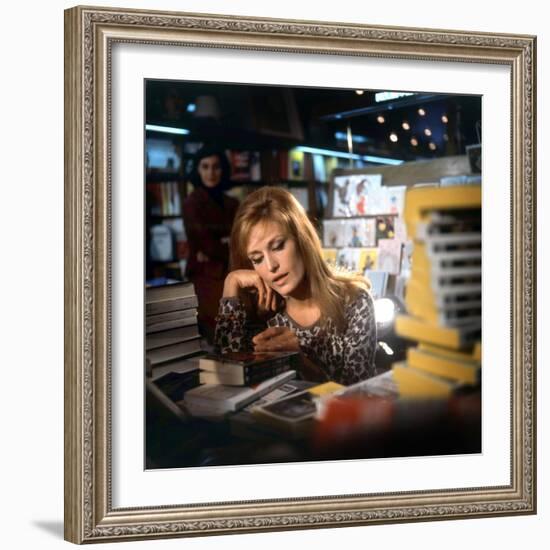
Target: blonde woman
<point>278,277</point>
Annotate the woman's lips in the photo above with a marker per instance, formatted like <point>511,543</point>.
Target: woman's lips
<point>279,280</point>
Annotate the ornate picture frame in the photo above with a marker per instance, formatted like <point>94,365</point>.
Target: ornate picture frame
<point>90,34</point>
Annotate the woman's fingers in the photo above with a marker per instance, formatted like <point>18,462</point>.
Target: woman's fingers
<point>264,296</point>
<point>261,293</point>
<point>245,279</point>
<point>248,279</point>
<point>268,292</point>
<point>276,339</point>
<point>269,333</point>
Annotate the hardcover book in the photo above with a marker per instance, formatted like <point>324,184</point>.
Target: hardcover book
<point>441,364</point>
<point>171,297</point>
<point>244,377</point>
<point>168,337</point>
<point>174,351</point>
<point>415,384</point>
<point>246,362</point>
<point>179,366</point>
<point>457,338</point>
<point>214,400</point>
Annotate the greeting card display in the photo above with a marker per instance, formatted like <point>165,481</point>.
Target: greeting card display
<point>357,195</point>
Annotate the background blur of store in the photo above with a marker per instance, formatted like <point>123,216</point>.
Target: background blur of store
<point>392,182</point>
<point>302,139</point>
<point>348,156</point>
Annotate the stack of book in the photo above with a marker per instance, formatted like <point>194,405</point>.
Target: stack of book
<point>443,296</point>
<point>172,340</point>
<point>233,380</point>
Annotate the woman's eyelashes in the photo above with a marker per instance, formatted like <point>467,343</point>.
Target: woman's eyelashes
<point>277,246</point>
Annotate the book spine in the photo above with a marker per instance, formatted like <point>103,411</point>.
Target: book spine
<point>166,338</point>
<point>174,351</point>
<point>171,305</point>
<point>190,313</point>
<point>168,325</point>
<point>249,370</point>
<point>252,377</point>
<point>167,292</point>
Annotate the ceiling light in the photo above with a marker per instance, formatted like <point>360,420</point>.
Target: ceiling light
<point>414,142</point>
<point>359,92</point>
<point>445,137</point>
<point>432,146</point>
<point>167,129</point>
<point>341,154</point>
<point>386,96</point>
<point>406,126</point>
<point>380,119</point>
<point>421,112</point>
<point>428,132</point>
<point>444,119</point>
<point>342,136</point>
<point>393,137</point>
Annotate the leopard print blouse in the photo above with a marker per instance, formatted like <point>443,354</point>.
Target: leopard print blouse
<point>346,357</point>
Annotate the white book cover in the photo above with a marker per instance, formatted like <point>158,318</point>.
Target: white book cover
<point>357,260</point>
<point>334,233</point>
<point>360,232</point>
<point>216,399</point>
<point>395,197</point>
<point>354,233</point>
<point>369,232</point>
<point>389,255</point>
<point>342,195</point>
<point>366,193</point>
<point>400,229</point>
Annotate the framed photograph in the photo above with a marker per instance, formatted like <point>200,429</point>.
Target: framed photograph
<point>111,491</point>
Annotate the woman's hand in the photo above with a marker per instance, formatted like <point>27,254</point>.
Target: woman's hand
<point>276,339</point>
<point>284,339</point>
<point>248,279</point>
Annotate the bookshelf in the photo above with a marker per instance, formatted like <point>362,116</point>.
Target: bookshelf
<point>254,163</point>
<point>165,190</point>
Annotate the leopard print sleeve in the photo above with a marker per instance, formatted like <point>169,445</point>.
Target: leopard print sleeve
<point>230,332</point>
<point>359,340</point>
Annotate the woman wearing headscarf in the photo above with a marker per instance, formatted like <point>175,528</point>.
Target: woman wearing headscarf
<point>208,215</point>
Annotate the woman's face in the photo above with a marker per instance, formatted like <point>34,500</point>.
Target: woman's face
<point>275,258</point>
<point>210,170</point>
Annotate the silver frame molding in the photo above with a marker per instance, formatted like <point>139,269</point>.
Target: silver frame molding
<point>89,35</point>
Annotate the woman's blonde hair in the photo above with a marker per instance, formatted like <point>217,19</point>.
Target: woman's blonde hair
<point>328,287</point>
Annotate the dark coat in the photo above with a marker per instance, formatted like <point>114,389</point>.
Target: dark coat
<point>208,226</point>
